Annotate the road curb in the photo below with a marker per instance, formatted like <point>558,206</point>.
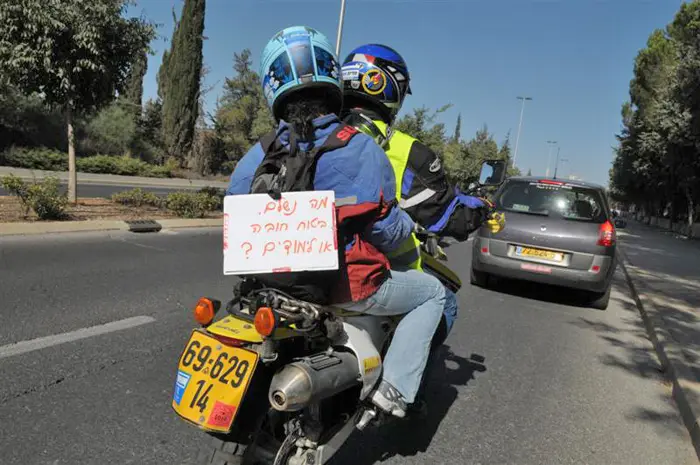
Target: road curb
<point>685,396</point>
<point>115,180</point>
<point>55,227</point>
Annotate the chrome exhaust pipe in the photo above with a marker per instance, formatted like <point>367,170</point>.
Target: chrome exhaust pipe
<point>312,379</point>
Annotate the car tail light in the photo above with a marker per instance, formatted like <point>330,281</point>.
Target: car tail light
<point>553,183</point>
<point>606,234</point>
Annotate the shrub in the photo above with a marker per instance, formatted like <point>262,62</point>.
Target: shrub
<point>17,187</point>
<point>111,131</point>
<point>125,166</point>
<point>190,204</point>
<point>216,193</point>
<point>158,171</point>
<point>137,197</point>
<point>44,197</point>
<point>227,167</point>
<point>39,158</point>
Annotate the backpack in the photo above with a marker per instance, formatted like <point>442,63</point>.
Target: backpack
<point>293,170</point>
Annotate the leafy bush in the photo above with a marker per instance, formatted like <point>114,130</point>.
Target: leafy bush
<point>227,167</point>
<point>191,204</point>
<point>106,164</point>
<point>18,188</point>
<point>35,158</point>
<point>46,199</point>
<point>112,131</point>
<point>51,160</point>
<point>137,197</point>
<point>216,193</point>
<point>43,197</point>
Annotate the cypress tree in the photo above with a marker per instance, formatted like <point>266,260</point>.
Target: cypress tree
<point>179,81</point>
<point>134,86</point>
<point>458,128</point>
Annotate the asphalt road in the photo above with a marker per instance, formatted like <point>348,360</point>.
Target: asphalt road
<point>106,190</point>
<point>559,384</point>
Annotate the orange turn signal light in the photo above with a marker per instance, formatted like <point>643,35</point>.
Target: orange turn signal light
<point>204,311</point>
<point>265,321</point>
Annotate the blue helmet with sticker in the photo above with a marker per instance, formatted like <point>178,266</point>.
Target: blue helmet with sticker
<point>377,75</point>
<point>295,59</point>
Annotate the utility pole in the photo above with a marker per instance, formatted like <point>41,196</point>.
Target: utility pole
<point>556,165</point>
<point>551,143</point>
<point>341,20</point>
<point>520,124</point>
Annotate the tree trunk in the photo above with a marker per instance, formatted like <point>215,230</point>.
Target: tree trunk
<point>72,172</point>
<point>691,212</point>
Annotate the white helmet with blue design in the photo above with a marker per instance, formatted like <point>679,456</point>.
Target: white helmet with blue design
<point>299,58</point>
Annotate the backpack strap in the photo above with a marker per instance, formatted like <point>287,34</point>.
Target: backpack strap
<point>298,171</point>
<point>339,138</point>
<point>267,140</point>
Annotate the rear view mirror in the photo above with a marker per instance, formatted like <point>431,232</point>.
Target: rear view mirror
<point>493,172</point>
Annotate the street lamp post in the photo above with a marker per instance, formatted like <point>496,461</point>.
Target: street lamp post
<point>341,20</point>
<point>520,124</point>
<point>551,143</point>
<point>556,164</point>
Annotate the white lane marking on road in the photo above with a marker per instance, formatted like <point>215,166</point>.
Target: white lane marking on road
<point>23,347</point>
<point>121,239</point>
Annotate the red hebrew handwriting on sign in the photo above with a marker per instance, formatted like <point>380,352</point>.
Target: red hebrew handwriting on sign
<point>294,233</point>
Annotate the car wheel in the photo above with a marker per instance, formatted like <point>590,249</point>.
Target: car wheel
<point>479,278</point>
<point>600,301</point>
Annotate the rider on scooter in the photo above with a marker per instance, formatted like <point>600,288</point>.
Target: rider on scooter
<point>376,81</point>
<point>301,82</point>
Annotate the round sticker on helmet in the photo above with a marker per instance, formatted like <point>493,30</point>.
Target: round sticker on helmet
<point>374,82</point>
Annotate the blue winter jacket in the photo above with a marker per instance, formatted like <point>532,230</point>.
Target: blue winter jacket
<point>363,181</point>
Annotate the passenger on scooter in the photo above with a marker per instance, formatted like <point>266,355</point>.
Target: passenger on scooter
<point>375,84</point>
<point>301,82</point>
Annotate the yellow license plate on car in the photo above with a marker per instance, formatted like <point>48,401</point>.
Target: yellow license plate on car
<point>539,253</point>
<point>212,379</point>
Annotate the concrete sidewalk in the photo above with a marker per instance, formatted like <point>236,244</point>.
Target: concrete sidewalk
<point>664,272</point>
<point>54,227</point>
<point>112,179</point>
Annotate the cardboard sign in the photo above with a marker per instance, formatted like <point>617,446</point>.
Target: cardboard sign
<point>295,233</point>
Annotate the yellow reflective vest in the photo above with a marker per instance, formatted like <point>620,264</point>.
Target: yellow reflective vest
<point>407,255</point>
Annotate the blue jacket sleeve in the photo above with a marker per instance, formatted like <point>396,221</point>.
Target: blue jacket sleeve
<point>361,172</point>
<point>242,176</point>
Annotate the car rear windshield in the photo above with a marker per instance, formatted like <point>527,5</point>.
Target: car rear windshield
<point>549,198</point>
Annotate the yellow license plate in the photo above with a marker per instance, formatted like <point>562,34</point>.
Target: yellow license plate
<point>539,253</point>
<point>212,379</point>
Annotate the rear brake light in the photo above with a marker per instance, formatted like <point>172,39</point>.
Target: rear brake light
<point>547,181</point>
<point>229,341</point>
<point>606,234</point>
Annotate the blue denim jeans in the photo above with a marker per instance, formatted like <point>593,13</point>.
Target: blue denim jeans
<point>450,309</point>
<point>422,297</point>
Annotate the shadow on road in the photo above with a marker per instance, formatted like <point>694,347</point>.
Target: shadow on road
<point>542,292</point>
<point>631,350</point>
<point>413,435</point>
